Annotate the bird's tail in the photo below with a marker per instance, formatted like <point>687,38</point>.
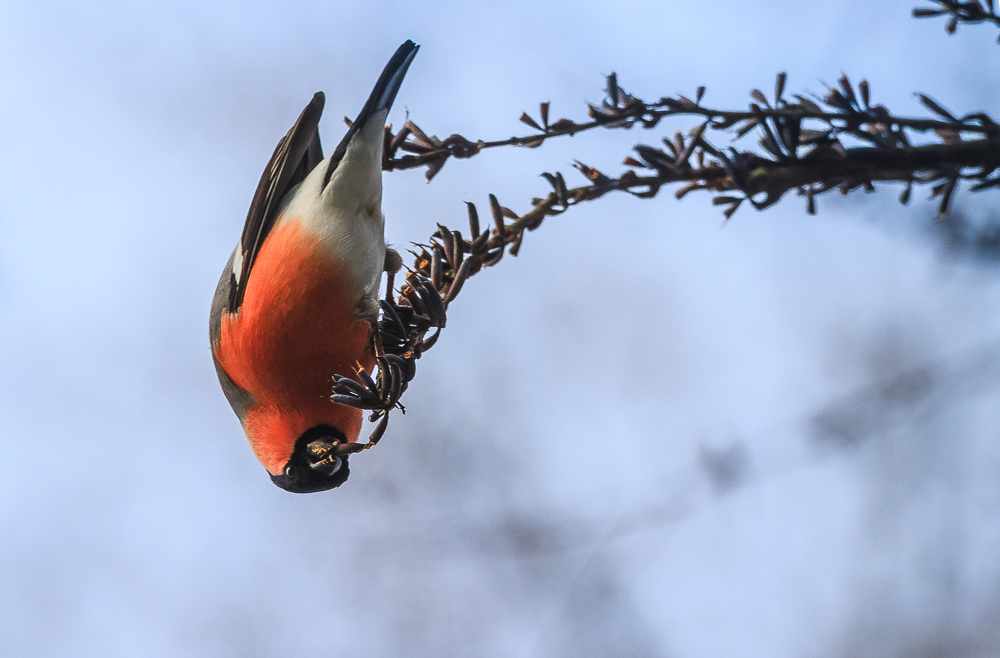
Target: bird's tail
<point>388,83</point>
<point>381,99</point>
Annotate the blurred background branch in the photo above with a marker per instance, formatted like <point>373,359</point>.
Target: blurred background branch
<point>974,11</point>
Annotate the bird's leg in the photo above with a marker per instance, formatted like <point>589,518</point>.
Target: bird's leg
<point>389,284</point>
<point>392,263</point>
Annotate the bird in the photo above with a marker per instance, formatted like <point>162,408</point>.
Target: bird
<point>297,302</point>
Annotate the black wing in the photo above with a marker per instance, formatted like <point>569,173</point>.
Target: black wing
<point>381,99</point>
<point>296,155</point>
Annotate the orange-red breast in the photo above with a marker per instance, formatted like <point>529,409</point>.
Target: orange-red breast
<point>299,296</point>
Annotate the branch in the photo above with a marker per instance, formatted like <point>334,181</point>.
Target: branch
<point>622,110</point>
<point>441,267</point>
<point>974,11</point>
<point>839,141</point>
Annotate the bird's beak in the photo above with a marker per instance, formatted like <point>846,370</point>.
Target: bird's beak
<point>324,458</point>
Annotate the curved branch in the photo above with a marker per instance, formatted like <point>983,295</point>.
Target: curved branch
<point>802,149</point>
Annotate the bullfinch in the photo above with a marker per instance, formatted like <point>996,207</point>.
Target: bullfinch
<point>298,300</point>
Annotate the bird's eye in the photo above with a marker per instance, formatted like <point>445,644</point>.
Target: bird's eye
<point>289,471</point>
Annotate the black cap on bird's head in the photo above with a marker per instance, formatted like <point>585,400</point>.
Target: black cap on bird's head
<point>314,465</point>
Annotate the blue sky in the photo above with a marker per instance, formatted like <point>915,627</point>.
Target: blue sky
<point>550,490</point>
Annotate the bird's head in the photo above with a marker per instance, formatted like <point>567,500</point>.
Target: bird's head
<point>314,465</point>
